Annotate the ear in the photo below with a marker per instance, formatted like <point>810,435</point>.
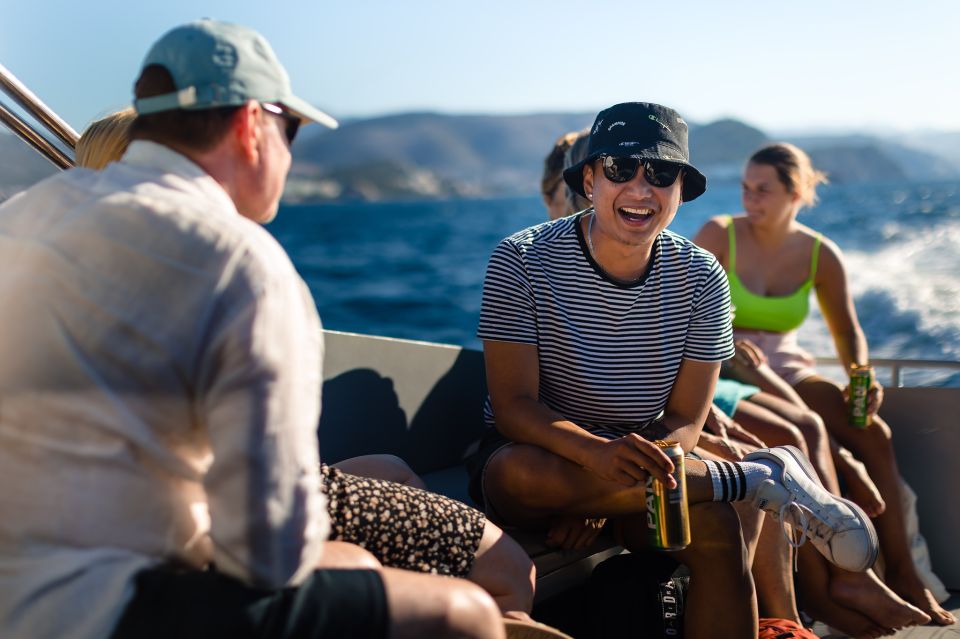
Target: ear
<point>588,178</point>
<point>247,131</point>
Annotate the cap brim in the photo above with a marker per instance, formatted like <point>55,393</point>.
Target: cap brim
<point>573,175</point>
<point>306,111</point>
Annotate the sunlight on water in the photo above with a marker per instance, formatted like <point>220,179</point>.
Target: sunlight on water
<point>415,270</point>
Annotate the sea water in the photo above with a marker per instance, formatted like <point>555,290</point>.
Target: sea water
<point>415,269</point>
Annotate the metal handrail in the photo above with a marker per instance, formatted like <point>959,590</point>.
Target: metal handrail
<point>26,133</point>
<point>897,365</point>
<point>36,108</point>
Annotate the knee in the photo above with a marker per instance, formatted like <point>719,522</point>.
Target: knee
<point>794,435</point>
<point>469,611</point>
<point>880,431</point>
<point>716,531</point>
<point>504,569</point>
<point>509,474</point>
<point>401,473</point>
<point>347,556</point>
<point>812,427</point>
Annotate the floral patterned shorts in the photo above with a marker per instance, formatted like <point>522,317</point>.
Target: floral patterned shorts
<point>402,526</point>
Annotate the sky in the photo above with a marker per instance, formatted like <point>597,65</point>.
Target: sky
<point>785,66</point>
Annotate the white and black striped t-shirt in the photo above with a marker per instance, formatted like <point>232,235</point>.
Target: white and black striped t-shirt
<point>609,352</point>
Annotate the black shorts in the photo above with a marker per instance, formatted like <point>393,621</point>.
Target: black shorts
<point>191,604</point>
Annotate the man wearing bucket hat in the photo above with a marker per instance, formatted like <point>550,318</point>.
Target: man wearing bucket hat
<point>604,331</point>
<point>160,376</point>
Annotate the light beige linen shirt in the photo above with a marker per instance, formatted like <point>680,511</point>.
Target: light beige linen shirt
<point>160,374</point>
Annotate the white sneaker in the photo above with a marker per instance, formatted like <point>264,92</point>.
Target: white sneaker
<point>839,529</point>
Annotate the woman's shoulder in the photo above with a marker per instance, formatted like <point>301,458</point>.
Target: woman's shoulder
<point>713,234</point>
<point>814,237</point>
<point>829,255</point>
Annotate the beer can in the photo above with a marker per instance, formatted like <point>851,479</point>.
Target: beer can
<point>668,517</point>
<point>860,379</point>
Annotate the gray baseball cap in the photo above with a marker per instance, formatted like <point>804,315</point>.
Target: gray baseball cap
<point>216,64</point>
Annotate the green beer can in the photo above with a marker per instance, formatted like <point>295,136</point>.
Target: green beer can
<point>860,379</point>
<point>668,517</point>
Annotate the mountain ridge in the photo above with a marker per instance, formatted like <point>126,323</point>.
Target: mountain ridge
<point>432,155</point>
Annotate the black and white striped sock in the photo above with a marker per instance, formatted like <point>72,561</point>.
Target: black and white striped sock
<point>736,481</point>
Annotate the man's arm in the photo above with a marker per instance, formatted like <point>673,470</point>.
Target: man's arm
<point>690,401</point>
<point>260,405</point>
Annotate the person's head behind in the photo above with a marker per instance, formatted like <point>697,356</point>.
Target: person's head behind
<point>576,153</point>
<point>792,168</point>
<point>217,93</point>
<point>552,188</point>
<point>569,149</point>
<point>105,140</point>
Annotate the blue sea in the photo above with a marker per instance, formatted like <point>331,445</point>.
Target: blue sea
<point>415,269</point>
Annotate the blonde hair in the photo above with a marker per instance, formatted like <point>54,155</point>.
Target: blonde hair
<point>794,169</point>
<point>105,140</point>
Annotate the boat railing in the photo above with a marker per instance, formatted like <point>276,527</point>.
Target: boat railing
<point>896,367</point>
<point>43,114</point>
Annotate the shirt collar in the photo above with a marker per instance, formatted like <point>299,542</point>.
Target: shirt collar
<point>152,155</point>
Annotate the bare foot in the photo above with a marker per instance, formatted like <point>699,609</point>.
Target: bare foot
<point>860,489</point>
<point>911,588</point>
<point>849,622</point>
<point>866,594</point>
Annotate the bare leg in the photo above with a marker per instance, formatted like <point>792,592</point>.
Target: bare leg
<point>499,564</point>
<point>430,606</point>
<point>719,577</point>
<point>528,485</point>
<point>860,487</point>
<point>815,598</point>
<point>423,605</point>
<point>504,570</point>
<point>773,573</point>
<point>792,421</point>
<point>770,559</point>
<point>388,467</point>
<point>347,556</point>
<point>874,447</point>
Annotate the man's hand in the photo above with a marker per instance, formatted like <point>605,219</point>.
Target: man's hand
<point>629,460</point>
<point>571,532</point>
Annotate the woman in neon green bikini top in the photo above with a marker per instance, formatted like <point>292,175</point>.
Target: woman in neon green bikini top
<point>773,262</point>
<point>772,313</point>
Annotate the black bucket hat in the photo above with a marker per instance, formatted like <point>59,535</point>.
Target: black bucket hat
<point>640,130</point>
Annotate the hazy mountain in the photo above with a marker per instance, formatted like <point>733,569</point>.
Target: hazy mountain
<point>721,148</point>
<point>908,162</point>
<point>482,153</point>
<point>430,155</point>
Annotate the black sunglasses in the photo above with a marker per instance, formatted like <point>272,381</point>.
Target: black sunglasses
<point>291,122</point>
<point>658,173</point>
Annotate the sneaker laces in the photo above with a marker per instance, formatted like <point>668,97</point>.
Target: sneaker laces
<point>806,522</point>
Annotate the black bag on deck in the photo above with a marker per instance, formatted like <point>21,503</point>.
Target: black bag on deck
<point>638,595</point>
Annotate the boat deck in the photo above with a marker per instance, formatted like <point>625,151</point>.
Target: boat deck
<point>922,632</point>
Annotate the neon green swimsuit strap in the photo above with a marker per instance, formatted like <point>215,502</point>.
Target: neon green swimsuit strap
<point>731,234</point>
<point>815,257</point>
